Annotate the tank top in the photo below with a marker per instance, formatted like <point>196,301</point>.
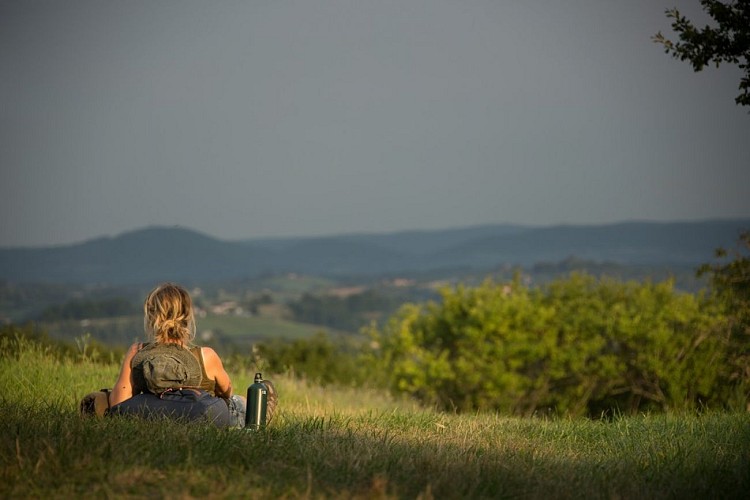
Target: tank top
<point>207,384</point>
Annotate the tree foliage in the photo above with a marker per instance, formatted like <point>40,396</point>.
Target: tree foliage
<point>87,309</point>
<point>348,313</point>
<point>726,42</point>
<point>319,359</point>
<point>579,346</point>
<point>730,282</point>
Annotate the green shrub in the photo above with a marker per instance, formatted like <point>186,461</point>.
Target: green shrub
<point>318,359</point>
<point>577,346</point>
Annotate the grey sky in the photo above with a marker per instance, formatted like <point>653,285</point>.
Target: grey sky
<point>269,118</point>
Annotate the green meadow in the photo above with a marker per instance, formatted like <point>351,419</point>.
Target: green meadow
<point>329,442</point>
<point>257,327</point>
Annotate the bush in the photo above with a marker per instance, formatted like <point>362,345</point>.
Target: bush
<point>317,359</point>
<point>578,346</point>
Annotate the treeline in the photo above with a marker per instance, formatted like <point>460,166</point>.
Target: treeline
<point>348,313</point>
<point>319,359</point>
<point>89,309</point>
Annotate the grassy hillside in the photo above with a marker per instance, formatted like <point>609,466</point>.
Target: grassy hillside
<point>342,443</point>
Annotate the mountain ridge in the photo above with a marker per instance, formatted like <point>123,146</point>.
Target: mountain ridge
<point>157,253</point>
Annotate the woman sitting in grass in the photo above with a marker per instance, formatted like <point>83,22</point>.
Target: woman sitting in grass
<point>170,376</point>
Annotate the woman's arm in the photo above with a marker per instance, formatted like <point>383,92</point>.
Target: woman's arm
<point>215,370</point>
<point>124,386</point>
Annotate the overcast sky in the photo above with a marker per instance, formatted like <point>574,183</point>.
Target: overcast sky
<point>288,118</point>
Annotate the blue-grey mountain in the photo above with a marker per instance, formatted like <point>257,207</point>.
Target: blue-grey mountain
<point>158,253</point>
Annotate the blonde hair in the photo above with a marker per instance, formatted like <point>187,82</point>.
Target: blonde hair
<point>168,315</point>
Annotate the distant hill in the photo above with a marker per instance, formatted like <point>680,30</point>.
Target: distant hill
<point>158,253</point>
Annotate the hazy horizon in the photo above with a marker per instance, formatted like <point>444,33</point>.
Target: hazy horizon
<point>741,227</point>
<point>246,120</point>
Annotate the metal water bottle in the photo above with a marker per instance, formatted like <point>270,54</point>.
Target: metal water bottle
<point>257,404</point>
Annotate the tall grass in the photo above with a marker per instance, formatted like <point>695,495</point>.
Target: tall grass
<point>345,443</point>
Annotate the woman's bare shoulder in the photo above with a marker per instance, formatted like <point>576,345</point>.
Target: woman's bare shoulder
<point>209,355</point>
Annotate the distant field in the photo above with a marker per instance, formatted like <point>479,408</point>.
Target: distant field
<point>256,327</point>
<point>293,284</point>
<point>127,329</point>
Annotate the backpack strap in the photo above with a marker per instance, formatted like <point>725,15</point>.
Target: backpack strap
<point>202,360</point>
<point>107,392</point>
<point>141,345</point>
<point>182,390</point>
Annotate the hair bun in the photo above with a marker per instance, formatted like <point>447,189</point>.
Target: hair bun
<point>170,324</point>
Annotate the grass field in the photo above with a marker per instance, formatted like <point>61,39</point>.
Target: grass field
<point>240,330</point>
<point>257,327</point>
<point>346,443</point>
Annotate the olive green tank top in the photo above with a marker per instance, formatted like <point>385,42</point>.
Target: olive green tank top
<point>207,384</point>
